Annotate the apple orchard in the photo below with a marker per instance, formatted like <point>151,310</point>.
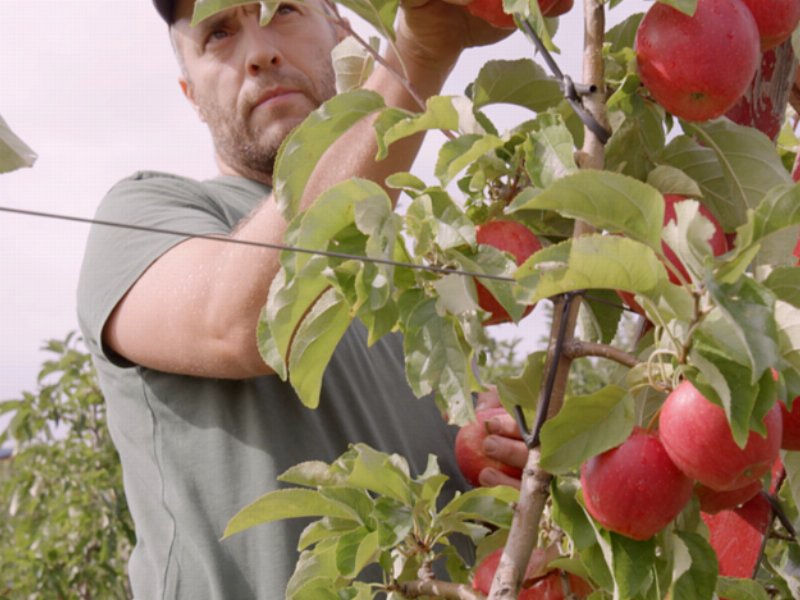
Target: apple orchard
<point>655,189</point>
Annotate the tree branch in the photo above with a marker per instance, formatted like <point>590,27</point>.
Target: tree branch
<point>440,589</point>
<point>534,488</point>
<point>579,349</point>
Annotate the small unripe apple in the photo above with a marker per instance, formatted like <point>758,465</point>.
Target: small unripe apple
<point>713,501</point>
<point>469,452</point>
<point>635,489</point>
<point>697,436</point>
<point>775,19</point>
<point>697,67</point>
<point>511,237</point>
<point>545,587</point>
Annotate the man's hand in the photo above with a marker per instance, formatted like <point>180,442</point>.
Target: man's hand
<point>430,32</point>
<point>504,443</point>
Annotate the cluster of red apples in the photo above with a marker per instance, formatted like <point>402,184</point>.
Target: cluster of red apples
<point>698,67</point>
<point>639,487</point>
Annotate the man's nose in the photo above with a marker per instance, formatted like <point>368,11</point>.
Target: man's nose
<point>263,52</point>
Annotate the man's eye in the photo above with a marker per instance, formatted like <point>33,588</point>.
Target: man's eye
<point>216,35</point>
<point>285,9</point>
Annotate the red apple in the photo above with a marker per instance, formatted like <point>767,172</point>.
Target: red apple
<point>555,8</point>
<point>491,11</point>
<point>776,20</point>
<point>469,452</point>
<point>544,587</point>
<point>698,439</point>
<point>635,489</point>
<point>697,67</point>
<point>712,501</point>
<point>718,242</point>
<point>791,425</point>
<point>511,237</point>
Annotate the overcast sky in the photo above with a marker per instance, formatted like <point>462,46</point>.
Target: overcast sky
<point>91,86</point>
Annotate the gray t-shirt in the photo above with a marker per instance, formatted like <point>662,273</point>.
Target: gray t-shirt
<point>195,451</point>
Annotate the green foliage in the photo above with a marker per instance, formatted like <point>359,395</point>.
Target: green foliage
<point>14,153</point>
<point>372,510</point>
<point>724,324</point>
<point>66,531</point>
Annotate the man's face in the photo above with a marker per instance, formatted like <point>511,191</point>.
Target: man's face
<point>252,85</point>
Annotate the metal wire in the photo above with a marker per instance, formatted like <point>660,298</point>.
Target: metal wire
<point>228,240</point>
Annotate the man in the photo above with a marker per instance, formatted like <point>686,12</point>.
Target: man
<point>202,425</point>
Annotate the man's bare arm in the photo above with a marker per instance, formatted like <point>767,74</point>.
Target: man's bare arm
<point>195,310</point>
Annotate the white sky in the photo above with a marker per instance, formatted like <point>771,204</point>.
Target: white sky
<point>91,86</point>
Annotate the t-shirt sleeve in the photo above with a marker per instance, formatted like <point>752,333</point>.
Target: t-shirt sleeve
<point>116,257</point>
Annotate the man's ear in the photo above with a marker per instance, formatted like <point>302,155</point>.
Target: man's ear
<point>188,93</point>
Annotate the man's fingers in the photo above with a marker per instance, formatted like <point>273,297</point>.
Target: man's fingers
<point>504,425</point>
<point>491,477</point>
<point>508,451</point>
<point>489,398</point>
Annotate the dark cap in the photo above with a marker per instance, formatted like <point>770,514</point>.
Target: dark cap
<point>165,8</point>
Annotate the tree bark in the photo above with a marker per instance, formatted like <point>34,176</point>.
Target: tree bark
<point>763,104</point>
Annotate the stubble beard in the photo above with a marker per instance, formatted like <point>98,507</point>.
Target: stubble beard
<point>242,145</point>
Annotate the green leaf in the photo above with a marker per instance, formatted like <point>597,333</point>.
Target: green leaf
<point>438,360</point>
<point>784,283</point>
<point>314,343</point>
<point>636,141</point>
<point>549,151</point>
<point>623,35</point>
<point>312,473</point>
<point>381,14</point>
<point>453,113</point>
<point>669,180</point>
<point>733,588</point>
<point>730,386</point>
<point>688,236</point>
<point>286,504</point>
<point>523,390</point>
<point>590,262</point>
<point>520,82</point>
<point>355,550</point>
<point>779,210</point>
<point>489,505</point>
<point>456,155</point>
<point>299,283</point>
<point>204,9</point>
<point>435,221</point>
<point>586,426</point>
<point>352,63</point>
<point>324,529</point>
<point>632,565</point>
<point>700,579</point>
<point>302,149</point>
<point>608,201</point>
<point>378,472</point>
<point>748,309</point>
<point>748,160</point>
<point>569,514</point>
<point>315,574</point>
<point>787,319</point>
<point>395,522</point>
<point>14,153</point>
<point>685,6</point>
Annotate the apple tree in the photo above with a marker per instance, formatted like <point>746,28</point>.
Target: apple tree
<point>661,186</point>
